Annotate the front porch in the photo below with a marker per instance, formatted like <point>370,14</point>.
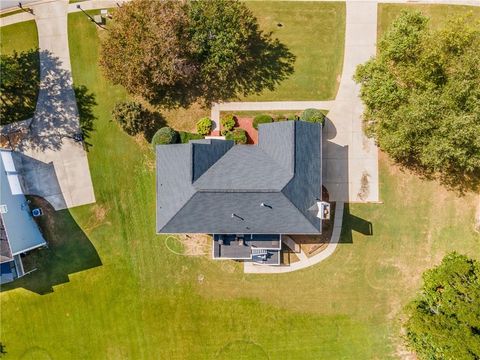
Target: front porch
<point>259,248</point>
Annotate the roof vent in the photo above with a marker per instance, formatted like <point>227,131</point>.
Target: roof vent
<point>236,216</point>
<point>3,209</point>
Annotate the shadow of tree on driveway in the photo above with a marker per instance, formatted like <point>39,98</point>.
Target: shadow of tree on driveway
<point>59,114</point>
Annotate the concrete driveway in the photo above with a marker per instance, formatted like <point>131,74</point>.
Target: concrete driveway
<point>350,160</point>
<point>51,163</point>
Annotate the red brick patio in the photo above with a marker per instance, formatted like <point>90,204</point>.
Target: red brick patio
<point>246,124</point>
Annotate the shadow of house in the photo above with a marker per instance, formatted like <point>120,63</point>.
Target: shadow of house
<point>351,224</point>
<point>39,179</point>
<point>68,248</point>
<point>69,251</point>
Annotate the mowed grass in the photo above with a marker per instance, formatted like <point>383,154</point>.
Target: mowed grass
<point>439,14</point>
<point>144,302</point>
<point>19,37</point>
<point>314,32</point>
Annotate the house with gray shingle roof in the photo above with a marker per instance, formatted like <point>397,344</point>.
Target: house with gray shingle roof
<point>246,196</point>
<point>19,233</point>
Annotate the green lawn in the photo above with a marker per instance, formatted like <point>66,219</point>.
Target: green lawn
<point>19,37</point>
<point>314,33</point>
<point>144,302</point>
<point>438,14</point>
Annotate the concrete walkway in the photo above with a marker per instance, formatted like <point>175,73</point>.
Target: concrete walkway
<point>265,106</point>
<point>53,165</point>
<point>304,261</point>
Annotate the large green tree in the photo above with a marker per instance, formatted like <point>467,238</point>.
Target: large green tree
<point>444,321</point>
<point>422,97</point>
<point>176,52</point>
<point>19,84</point>
<point>147,51</point>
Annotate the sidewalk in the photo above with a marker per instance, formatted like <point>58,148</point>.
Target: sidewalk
<point>265,106</point>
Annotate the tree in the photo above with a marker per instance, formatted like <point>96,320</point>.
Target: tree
<point>19,84</point>
<point>422,98</point>
<point>173,53</point>
<point>444,321</point>
<point>147,51</point>
<point>129,115</point>
<point>228,123</point>
<point>261,119</point>
<point>204,126</point>
<point>313,115</point>
<point>165,135</point>
<point>134,119</point>
<point>235,57</point>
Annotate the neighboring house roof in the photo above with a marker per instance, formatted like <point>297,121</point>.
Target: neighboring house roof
<point>19,227</point>
<point>201,184</point>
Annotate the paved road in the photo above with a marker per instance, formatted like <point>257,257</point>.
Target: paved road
<point>53,164</point>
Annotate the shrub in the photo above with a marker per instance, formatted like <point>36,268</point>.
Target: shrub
<point>204,126</point>
<point>238,135</point>
<point>130,115</point>
<point>313,115</point>
<point>185,136</point>
<point>228,123</point>
<point>261,119</point>
<point>165,135</point>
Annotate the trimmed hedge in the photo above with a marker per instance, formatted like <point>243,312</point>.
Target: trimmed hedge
<point>228,123</point>
<point>238,135</point>
<point>165,135</point>
<point>313,115</point>
<point>186,136</point>
<point>204,126</point>
<point>261,119</point>
<point>130,115</point>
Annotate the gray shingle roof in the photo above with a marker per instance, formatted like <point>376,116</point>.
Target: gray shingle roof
<point>22,231</point>
<point>201,184</point>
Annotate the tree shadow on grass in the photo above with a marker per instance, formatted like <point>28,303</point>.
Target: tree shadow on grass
<point>265,65</point>
<point>69,251</point>
<point>19,85</point>
<point>153,121</point>
<point>85,104</point>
